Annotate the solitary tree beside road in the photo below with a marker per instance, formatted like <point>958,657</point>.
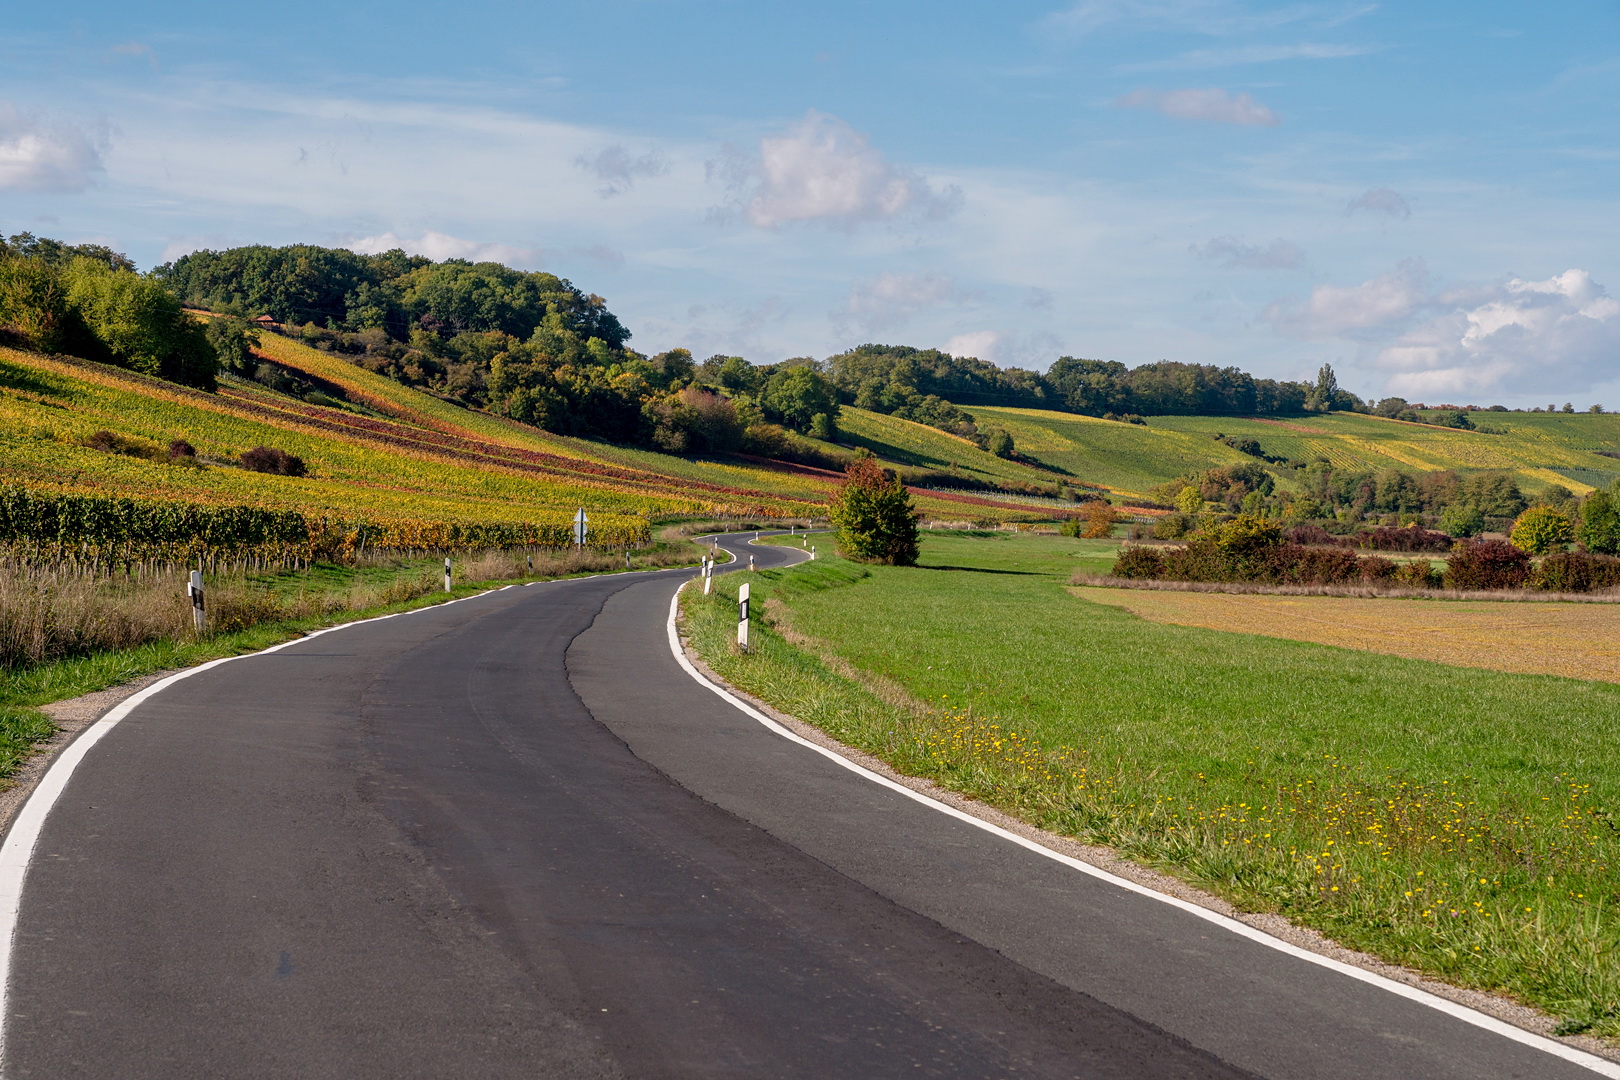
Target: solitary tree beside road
<point>872,516</point>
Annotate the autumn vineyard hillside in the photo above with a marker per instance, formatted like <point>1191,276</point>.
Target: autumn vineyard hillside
<point>388,467</point>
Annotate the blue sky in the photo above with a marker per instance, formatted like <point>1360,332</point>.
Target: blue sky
<point>1422,195</point>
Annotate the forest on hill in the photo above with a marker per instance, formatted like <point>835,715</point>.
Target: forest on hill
<point>536,348</point>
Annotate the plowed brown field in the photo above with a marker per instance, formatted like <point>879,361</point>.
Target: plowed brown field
<point>1578,641</point>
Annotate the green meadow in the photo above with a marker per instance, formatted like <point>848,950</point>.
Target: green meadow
<point>1452,819</point>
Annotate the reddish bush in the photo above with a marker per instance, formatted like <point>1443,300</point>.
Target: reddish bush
<point>267,459</point>
<point>1411,538</point>
<point>1136,561</point>
<point>1377,568</point>
<point>1486,564</point>
<point>1313,534</point>
<point>1576,571</point>
<point>1200,560</point>
<point>1417,574</point>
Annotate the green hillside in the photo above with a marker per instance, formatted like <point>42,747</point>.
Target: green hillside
<point>1541,449</point>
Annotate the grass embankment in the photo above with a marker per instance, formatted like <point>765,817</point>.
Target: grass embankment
<point>1450,819</point>
<point>94,635</point>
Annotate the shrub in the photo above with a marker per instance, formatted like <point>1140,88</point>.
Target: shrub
<point>1099,520</point>
<point>1576,571</point>
<point>872,516</point>
<point>1311,534</point>
<point>1541,529</point>
<point>1200,560</point>
<point>1462,519</point>
<point>1599,528</point>
<point>1410,538</point>
<point>1246,534</point>
<point>267,459</point>
<point>1135,561</point>
<point>1487,564</point>
<point>1173,526</point>
<point>179,448</point>
<point>109,442</point>
<point>1377,568</point>
<point>1299,565</point>
<point>1417,574</point>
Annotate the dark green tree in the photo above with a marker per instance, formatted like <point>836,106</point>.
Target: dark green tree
<point>1599,527</point>
<point>1324,394</point>
<point>872,516</point>
<point>140,323</point>
<point>233,341</point>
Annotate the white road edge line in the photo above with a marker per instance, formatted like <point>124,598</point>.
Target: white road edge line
<point>16,853</point>
<point>1598,1065</point>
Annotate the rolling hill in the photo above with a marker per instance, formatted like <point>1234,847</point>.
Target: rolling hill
<point>1540,449</point>
<point>373,448</point>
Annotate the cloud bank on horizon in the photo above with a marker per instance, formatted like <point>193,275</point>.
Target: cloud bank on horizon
<point>1426,200</point>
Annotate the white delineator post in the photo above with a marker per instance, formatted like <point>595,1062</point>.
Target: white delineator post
<point>812,551</point>
<point>194,589</point>
<point>750,561</point>
<point>708,574</point>
<point>742,617</point>
<point>582,526</point>
<point>447,584</point>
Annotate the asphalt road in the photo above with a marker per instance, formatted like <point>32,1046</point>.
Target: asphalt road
<point>510,837</point>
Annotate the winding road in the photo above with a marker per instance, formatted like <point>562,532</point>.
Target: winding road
<point>512,837</point>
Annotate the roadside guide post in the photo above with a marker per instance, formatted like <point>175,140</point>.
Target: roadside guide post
<point>194,589</point>
<point>742,617</point>
<point>582,526</point>
<point>447,583</point>
<point>708,574</point>
<point>750,561</point>
<point>812,551</point>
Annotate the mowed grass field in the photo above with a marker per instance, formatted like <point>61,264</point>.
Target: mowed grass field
<point>1577,641</point>
<point>1454,819</point>
<point>1541,449</point>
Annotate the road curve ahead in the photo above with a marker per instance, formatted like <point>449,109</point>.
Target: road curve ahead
<point>511,837</point>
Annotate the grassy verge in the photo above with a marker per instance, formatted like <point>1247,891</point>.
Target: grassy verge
<point>1451,819</point>
<point>268,608</point>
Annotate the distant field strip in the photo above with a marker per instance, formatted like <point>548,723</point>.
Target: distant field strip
<point>1577,641</point>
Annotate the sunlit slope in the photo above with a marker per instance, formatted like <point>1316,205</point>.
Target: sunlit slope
<point>1127,458</point>
<point>1542,448</point>
<point>924,447</point>
<point>785,482</point>
<point>357,464</point>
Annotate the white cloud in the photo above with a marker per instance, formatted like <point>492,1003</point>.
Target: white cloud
<point>821,169</point>
<point>1380,201</point>
<point>1232,253</point>
<point>890,300</point>
<point>1358,311</point>
<point>1213,106</point>
<point>1006,348</point>
<point>1522,336</point>
<point>618,169</point>
<point>439,246</point>
<point>39,156</point>
<point>1204,59</point>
